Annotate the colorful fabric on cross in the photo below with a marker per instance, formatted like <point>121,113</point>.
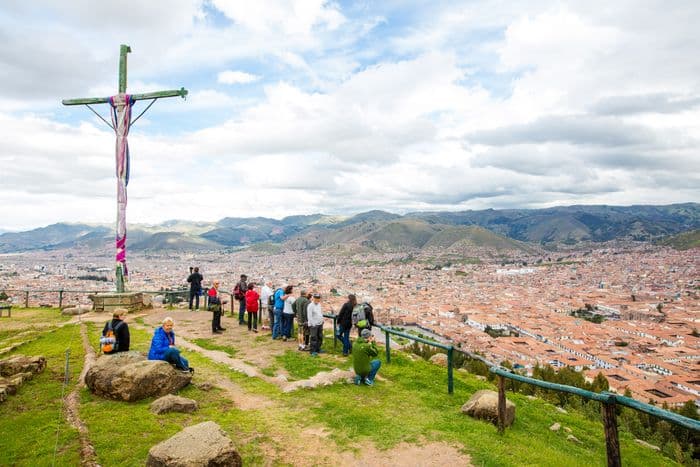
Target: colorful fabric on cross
<point>121,121</point>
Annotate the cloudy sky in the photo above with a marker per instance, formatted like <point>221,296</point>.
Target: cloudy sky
<point>306,106</point>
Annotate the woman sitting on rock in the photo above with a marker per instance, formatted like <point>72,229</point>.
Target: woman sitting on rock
<point>163,347</point>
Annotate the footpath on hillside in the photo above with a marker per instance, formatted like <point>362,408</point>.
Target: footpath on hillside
<point>254,355</point>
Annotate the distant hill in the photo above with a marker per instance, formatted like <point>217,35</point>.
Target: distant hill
<point>683,241</point>
<point>381,230</point>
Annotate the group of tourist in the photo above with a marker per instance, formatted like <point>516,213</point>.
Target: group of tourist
<point>282,307</point>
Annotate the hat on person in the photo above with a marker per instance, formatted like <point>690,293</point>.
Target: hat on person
<point>317,295</point>
<point>366,333</point>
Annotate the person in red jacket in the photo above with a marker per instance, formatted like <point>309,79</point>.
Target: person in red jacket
<point>252,304</point>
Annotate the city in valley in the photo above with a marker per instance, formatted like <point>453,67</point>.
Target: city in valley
<point>628,310</point>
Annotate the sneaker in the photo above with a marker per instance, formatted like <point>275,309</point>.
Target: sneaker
<point>369,382</point>
<point>216,332</point>
<point>191,370</point>
<point>284,338</point>
<point>345,354</point>
<point>222,329</point>
<point>255,330</point>
<point>321,351</point>
<point>314,354</point>
<point>358,380</point>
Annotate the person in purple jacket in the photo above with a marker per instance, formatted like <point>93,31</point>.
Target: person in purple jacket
<point>163,347</point>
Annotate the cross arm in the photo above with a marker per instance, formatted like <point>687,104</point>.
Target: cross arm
<point>182,92</point>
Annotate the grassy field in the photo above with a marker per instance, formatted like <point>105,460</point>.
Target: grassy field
<point>408,404</point>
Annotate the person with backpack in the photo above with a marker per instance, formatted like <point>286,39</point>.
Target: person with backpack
<point>239,294</point>
<point>115,335</point>
<point>364,349</point>
<point>215,306</point>
<point>362,317</point>
<point>251,305</point>
<point>195,279</point>
<point>344,322</point>
<point>163,347</point>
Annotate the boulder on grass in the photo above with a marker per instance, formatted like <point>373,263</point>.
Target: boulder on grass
<point>205,444</point>
<point>171,403</point>
<point>76,310</point>
<point>439,359</point>
<point>128,376</point>
<point>22,364</point>
<point>484,406</point>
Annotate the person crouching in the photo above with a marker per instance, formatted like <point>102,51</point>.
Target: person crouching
<point>363,350</point>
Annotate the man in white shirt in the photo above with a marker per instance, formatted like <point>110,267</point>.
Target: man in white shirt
<point>265,293</point>
<point>315,320</point>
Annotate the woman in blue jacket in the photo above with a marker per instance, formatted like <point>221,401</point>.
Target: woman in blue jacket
<point>163,347</point>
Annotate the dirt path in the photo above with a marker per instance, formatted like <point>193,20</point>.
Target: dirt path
<point>72,404</point>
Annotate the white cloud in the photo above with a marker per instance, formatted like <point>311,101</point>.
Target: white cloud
<point>236,77</point>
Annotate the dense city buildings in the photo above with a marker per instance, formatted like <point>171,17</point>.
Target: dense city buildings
<point>628,310</point>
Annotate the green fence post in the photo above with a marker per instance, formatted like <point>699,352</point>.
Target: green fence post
<point>60,299</point>
<point>388,347</point>
<point>335,331</point>
<point>450,377</point>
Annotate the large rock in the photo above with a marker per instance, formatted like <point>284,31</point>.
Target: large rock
<point>205,444</point>
<point>171,403</point>
<point>128,376</point>
<point>484,405</point>
<point>76,310</point>
<point>22,364</point>
<point>439,359</point>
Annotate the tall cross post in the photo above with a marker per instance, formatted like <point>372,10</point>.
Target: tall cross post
<point>121,105</point>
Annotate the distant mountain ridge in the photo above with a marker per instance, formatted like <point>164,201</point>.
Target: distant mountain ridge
<point>382,231</point>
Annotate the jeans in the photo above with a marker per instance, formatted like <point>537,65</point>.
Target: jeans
<point>344,336</point>
<point>277,325</point>
<point>374,368</point>
<point>241,311</point>
<point>253,320</point>
<point>172,355</point>
<point>194,295</point>
<point>287,320</point>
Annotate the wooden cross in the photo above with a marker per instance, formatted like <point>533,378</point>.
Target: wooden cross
<point>121,122</point>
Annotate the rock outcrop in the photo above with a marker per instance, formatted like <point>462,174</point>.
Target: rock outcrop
<point>15,371</point>
<point>439,359</point>
<point>76,310</point>
<point>484,406</point>
<point>22,364</point>
<point>128,376</point>
<point>205,444</point>
<point>171,403</point>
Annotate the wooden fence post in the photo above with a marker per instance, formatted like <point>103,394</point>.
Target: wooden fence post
<point>450,364</point>
<point>501,404</point>
<point>60,298</point>
<point>612,443</point>
<point>26,299</point>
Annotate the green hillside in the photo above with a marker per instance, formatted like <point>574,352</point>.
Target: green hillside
<point>683,241</point>
<point>406,417</point>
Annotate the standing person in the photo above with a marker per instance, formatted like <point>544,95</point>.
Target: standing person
<point>163,347</point>
<point>288,313</point>
<point>302,325</point>
<point>251,305</point>
<point>315,320</point>
<point>365,349</point>
<point>195,279</point>
<point>215,306</point>
<point>345,323</point>
<point>117,325</point>
<point>277,313</point>
<point>239,294</point>
<point>265,305</point>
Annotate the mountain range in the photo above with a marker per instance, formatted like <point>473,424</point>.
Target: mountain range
<point>511,229</point>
